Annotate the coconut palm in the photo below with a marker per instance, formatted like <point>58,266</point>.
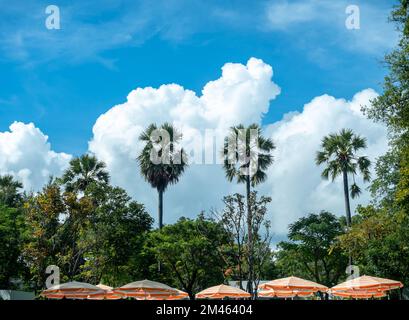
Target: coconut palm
<point>161,161</point>
<point>9,190</point>
<point>83,172</point>
<point>339,153</point>
<point>247,155</point>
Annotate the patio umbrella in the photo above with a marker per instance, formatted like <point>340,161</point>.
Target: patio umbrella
<point>180,295</point>
<point>293,283</point>
<point>108,294</point>
<point>367,283</point>
<point>146,290</point>
<point>271,293</point>
<point>222,291</point>
<point>72,290</point>
<point>359,294</point>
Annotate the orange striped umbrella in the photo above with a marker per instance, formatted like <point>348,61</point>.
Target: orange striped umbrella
<point>271,293</point>
<point>72,290</point>
<point>222,291</point>
<point>146,290</point>
<point>359,294</point>
<point>293,283</point>
<point>181,295</point>
<point>368,282</point>
<point>107,295</point>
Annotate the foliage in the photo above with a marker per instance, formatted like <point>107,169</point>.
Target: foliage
<point>115,238</point>
<point>310,251</point>
<point>11,235</point>
<point>83,172</point>
<point>233,219</point>
<point>189,253</point>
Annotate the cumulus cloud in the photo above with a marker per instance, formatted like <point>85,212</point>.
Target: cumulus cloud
<point>26,154</point>
<point>241,95</point>
<point>295,182</point>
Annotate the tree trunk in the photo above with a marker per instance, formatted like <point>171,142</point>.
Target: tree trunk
<point>250,237</point>
<point>346,195</point>
<point>160,209</point>
<point>347,209</point>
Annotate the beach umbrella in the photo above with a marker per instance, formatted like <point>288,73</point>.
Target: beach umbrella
<point>72,290</point>
<point>181,295</point>
<point>293,283</point>
<point>271,293</point>
<point>146,290</point>
<point>367,283</point>
<point>222,291</point>
<point>359,294</point>
<point>108,294</point>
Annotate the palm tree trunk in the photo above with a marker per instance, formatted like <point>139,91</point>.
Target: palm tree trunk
<point>347,209</point>
<point>346,195</point>
<point>250,237</point>
<point>160,209</point>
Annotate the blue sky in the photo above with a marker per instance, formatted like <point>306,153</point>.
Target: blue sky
<point>62,80</point>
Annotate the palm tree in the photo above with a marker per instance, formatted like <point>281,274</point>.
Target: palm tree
<point>339,153</point>
<point>9,190</point>
<point>161,160</point>
<point>83,172</point>
<point>247,155</point>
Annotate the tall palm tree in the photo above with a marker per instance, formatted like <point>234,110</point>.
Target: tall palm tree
<point>162,161</point>
<point>9,190</point>
<point>339,153</point>
<point>247,155</point>
<point>84,171</point>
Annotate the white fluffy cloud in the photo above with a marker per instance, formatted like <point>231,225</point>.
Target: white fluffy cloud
<point>295,182</point>
<point>241,95</point>
<point>26,154</point>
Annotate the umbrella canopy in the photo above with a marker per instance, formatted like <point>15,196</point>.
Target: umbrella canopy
<point>72,290</point>
<point>293,283</point>
<point>367,282</point>
<point>271,293</point>
<point>222,291</point>
<point>181,295</point>
<point>359,294</point>
<point>146,289</point>
<point>107,295</point>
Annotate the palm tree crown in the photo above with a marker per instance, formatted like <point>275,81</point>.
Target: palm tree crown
<point>84,171</point>
<point>9,190</point>
<point>162,161</point>
<point>247,154</point>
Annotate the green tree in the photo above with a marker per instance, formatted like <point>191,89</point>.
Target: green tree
<point>378,242</point>
<point>11,241</point>
<point>233,218</point>
<point>392,109</point>
<point>162,160</point>
<point>339,153</point>
<point>42,214</point>
<point>247,155</point>
<point>189,252</point>
<point>83,172</point>
<point>310,252</point>
<point>115,238</point>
